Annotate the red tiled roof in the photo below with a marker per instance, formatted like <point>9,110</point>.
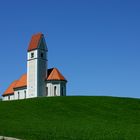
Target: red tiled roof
<point>34,41</point>
<point>10,89</point>
<point>22,82</point>
<point>55,75</point>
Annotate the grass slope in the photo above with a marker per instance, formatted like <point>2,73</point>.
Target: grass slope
<point>71,118</point>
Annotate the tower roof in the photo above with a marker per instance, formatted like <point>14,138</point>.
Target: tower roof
<point>35,40</point>
<point>10,89</point>
<point>54,74</point>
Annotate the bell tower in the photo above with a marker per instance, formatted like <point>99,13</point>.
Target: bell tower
<point>36,66</point>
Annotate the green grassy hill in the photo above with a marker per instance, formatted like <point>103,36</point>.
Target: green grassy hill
<point>71,118</point>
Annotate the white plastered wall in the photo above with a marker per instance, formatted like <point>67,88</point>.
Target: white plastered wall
<point>51,87</point>
<point>8,97</point>
<point>32,75</point>
<point>59,85</point>
<point>20,94</point>
<point>41,72</point>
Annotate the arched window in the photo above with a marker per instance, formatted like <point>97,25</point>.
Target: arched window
<point>62,91</point>
<point>46,91</point>
<point>25,94</point>
<point>18,95</point>
<point>9,97</point>
<point>55,91</point>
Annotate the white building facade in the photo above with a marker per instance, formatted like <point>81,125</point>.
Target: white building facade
<point>39,80</point>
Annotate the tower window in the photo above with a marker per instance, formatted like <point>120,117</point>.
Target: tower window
<point>41,55</point>
<point>32,55</point>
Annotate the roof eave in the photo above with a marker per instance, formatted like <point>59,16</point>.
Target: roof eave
<point>29,50</point>
<point>7,94</point>
<point>57,80</point>
<point>20,87</point>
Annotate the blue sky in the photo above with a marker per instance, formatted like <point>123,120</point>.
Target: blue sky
<point>94,43</point>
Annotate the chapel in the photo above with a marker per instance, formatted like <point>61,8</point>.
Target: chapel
<point>39,81</point>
